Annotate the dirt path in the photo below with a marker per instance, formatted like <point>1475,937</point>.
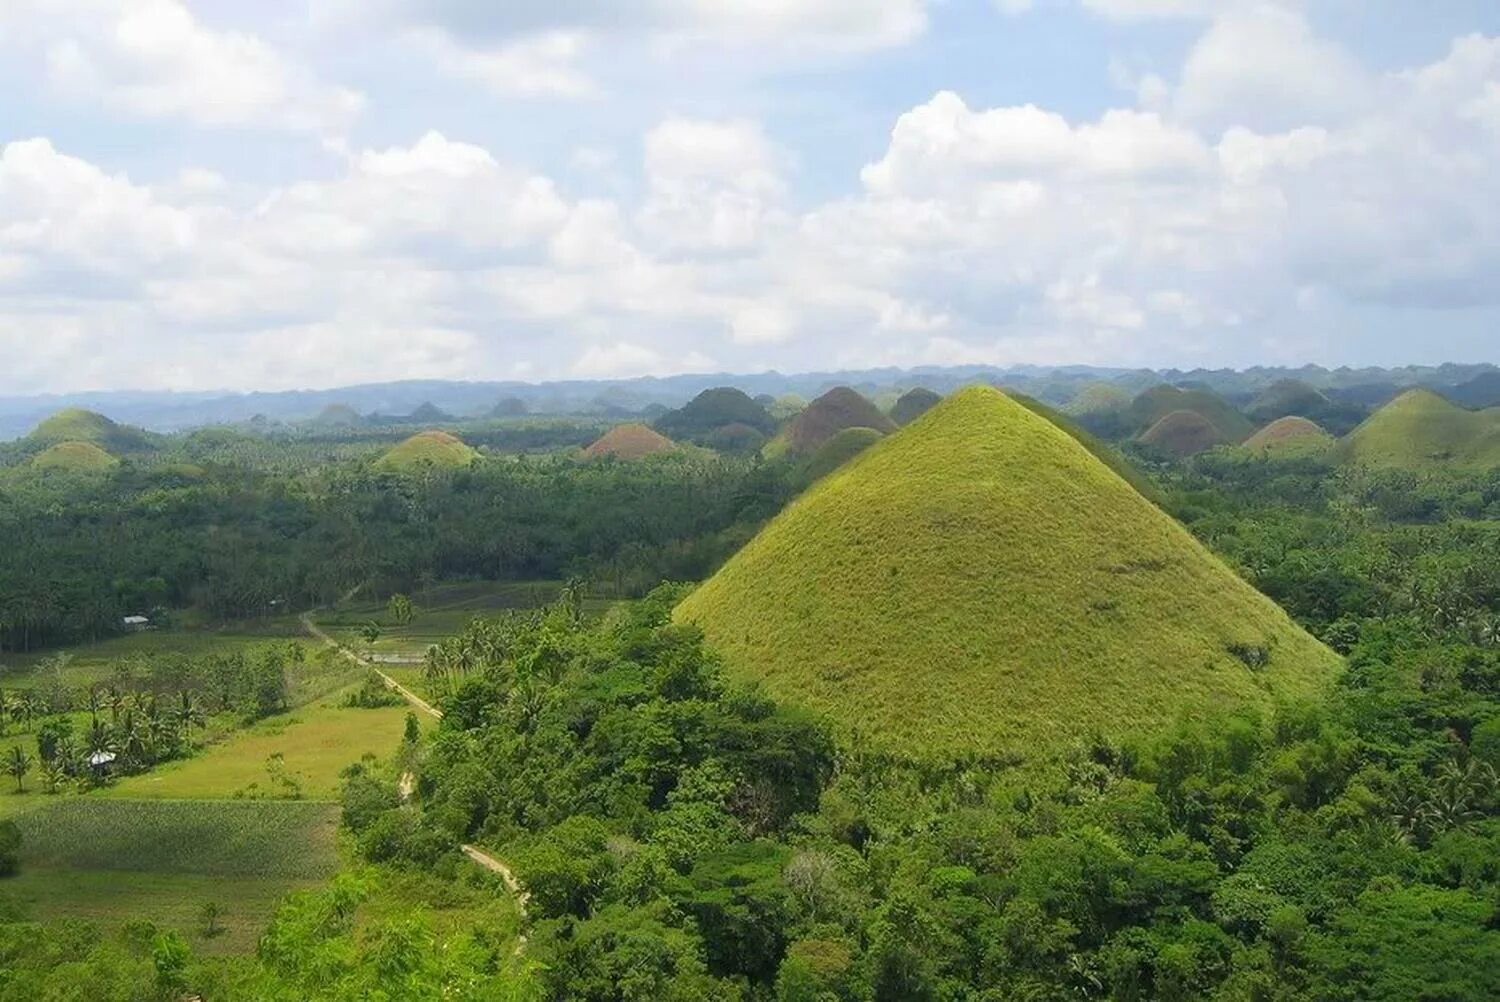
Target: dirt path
<point>408,781</point>
<point>318,632</point>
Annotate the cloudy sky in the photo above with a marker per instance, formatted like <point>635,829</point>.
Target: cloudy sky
<point>203,194</point>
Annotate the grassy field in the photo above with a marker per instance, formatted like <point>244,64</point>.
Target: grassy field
<point>1420,430</point>
<point>441,612</point>
<point>111,861</point>
<point>980,581</point>
<point>315,742</point>
<point>90,663</point>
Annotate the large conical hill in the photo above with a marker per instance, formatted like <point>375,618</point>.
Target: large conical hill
<point>839,409</point>
<point>1290,437</point>
<point>1421,430</point>
<point>427,450</point>
<point>75,424</point>
<point>1159,401</point>
<point>630,441</point>
<point>1183,434</point>
<point>980,583</point>
<point>74,457</point>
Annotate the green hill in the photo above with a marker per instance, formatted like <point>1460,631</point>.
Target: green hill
<point>825,417</point>
<point>630,441</point>
<point>979,582</point>
<point>699,418</point>
<point>1284,398</point>
<point>1421,430</point>
<point>1098,398</point>
<point>337,416</point>
<point>913,404</point>
<point>1290,436</point>
<point>837,451</point>
<point>1159,401</point>
<point>427,450</point>
<point>74,457</point>
<point>1183,434</point>
<point>78,425</point>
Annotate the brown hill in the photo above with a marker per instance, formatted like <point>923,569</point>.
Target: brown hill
<point>630,441</point>
<point>825,417</point>
<point>1290,434</point>
<point>1184,433</point>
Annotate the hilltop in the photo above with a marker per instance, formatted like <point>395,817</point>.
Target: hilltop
<point>1284,398</point>
<point>1290,436</point>
<point>1159,401</point>
<point>1422,430</point>
<point>838,409</point>
<point>712,410</point>
<point>74,457</point>
<point>979,582</point>
<point>337,416</point>
<point>1183,434</point>
<point>630,441</point>
<point>78,425</point>
<point>913,404</point>
<point>427,450</point>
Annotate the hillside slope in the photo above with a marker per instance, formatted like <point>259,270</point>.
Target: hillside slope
<point>839,409</point>
<point>427,450</point>
<point>1421,430</point>
<point>74,457</point>
<point>1183,434</point>
<point>980,583</point>
<point>1290,436</point>
<point>78,425</point>
<point>1160,401</point>
<point>630,441</point>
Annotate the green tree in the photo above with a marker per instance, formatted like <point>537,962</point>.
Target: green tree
<point>400,610</point>
<point>18,764</point>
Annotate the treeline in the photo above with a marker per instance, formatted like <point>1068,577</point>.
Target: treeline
<point>239,543</point>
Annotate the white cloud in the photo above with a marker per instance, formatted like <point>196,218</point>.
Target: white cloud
<point>541,65</point>
<point>154,59</point>
<point>713,185</point>
<point>621,359</point>
<point>1142,10</point>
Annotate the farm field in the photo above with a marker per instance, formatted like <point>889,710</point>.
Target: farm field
<point>88,664</point>
<point>113,860</point>
<point>315,742</point>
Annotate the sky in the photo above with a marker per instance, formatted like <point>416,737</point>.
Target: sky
<point>212,194</point>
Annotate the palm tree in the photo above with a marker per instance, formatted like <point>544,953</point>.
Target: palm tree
<point>188,713</point>
<point>134,738</point>
<point>115,700</point>
<point>18,764</point>
<point>23,707</point>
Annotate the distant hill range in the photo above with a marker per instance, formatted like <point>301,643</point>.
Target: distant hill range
<point>427,402</point>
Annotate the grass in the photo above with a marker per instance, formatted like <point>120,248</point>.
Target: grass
<point>979,582</point>
<point>74,457</point>
<point>78,425</point>
<point>109,898</point>
<point>837,410</point>
<point>1421,430</point>
<point>112,861</point>
<point>1290,436</point>
<point>630,441</point>
<point>1160,401</point>
<point>427,450</point>
<point>1099,398</point>
<point>837,451</point>
<point>1184,433</point>
<point>913,404</point>
<point>89,663</point>
<point>315,743</point>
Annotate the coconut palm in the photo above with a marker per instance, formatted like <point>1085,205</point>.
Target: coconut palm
<point>188,713</point>
<point>18,764</point>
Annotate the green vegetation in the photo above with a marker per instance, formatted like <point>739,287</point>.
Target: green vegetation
<point>428,450</point>
<point>1182,434</point>
<point>711,411</point>
<point>630,441</point>
<point>78,425</point>
<point>1035,594</point>
<point>74,457</point>
<point>1290,436</point>
<point>1420,430</point>
<point>838,409</point>
<point>1101,451</point>
<point>1285,398</point>
<point>1160,401</point>
<point>838,450</point>
<point>913,404</point>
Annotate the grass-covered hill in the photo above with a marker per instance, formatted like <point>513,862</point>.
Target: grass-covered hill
<point>1290,436</point>
<point>838,409</point>
<point>1286,397</point>
<point>427,450</point>
<point>837,451</point>
<point>78,425</point>
<point>1421,430</point>
<point>74,457</point>
<point>630,441</point>
<point>337,416</point>
<point>979,582</point>
<point>1183,434</point>
<point>698,419</point>
<point>1481,391</point>
<point>1156,403</point>
<point>913,404</point>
